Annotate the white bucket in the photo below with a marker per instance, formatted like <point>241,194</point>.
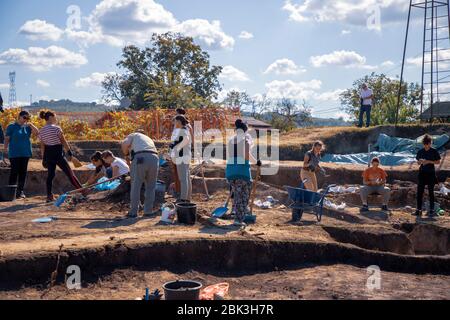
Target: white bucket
<point>168,213</point>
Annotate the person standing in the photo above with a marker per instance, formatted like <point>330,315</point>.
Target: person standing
<point>53,144</point>
<point>427,158</point>
<point>2,137</point>
<point>180,151</point>
<point>18,147</point>
<point>238,171</point>
<point>141,151</point>
<point>311,165</point>
<point>366,105</point>
<point>374,180</point>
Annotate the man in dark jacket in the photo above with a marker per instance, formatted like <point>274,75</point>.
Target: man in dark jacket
<point>2,137</point>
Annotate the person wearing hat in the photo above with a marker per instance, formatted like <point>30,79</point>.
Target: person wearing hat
<point>142,154</point>
<point>18,147</point>
<point>374,179</point>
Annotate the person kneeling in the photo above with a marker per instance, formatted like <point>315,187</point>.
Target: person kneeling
<point>374,179</point>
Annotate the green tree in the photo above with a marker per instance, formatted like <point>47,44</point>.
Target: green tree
<point>236,98</point>
<point>172,72</point>
<point>288,114</point>
<point>385,91</point>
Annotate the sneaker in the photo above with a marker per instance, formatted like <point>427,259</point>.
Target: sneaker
<point>431,214</point>
<point>417,213</point>
<point>131,215</point>
<point>384,208</point>
<point>365,208</point>
<point>21,195</point>
<point>238,223</point>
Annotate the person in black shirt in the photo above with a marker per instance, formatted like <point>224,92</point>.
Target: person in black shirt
<point>2,136</point>
<point>427,158</point>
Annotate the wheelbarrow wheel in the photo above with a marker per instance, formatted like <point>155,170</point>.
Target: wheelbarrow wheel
<point>297,215</point>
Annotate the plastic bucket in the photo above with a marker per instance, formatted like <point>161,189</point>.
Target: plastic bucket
<point>182,290</point>
<point>8,193</point>
<point>186,213</point>
<point>168,213</point>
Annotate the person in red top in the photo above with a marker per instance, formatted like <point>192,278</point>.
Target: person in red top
<point>374,179</point>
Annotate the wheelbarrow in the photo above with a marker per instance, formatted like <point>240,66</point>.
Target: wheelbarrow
<point>304,200</point>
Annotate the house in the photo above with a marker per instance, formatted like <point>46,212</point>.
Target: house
<point>252,123</point>
<point>441,110</point>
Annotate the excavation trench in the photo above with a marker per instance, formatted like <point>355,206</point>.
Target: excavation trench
<point>230,257</point>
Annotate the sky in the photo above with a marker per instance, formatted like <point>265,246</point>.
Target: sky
<point>308,50</point>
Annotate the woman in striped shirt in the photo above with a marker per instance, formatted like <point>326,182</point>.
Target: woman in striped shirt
<point>53,144</point>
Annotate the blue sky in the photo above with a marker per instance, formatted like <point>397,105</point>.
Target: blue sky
<point>302,49</point>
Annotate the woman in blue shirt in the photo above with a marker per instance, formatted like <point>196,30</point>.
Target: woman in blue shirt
<point>18,146</point>
<point>238,171</point>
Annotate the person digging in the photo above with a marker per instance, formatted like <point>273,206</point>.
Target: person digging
<point>374,179</point>
<point>143,156</point>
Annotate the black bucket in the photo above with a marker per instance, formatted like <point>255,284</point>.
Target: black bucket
<point>8,193</point>
<point>182,290</point>
<point>186,213</point>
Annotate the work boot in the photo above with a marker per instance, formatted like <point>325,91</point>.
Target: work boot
<point>365,208</point>
<point>50,198</point>
<point>418,213</point>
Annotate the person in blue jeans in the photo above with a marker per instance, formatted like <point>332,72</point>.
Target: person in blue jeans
<point>18,146</point>
<point>366,105</point>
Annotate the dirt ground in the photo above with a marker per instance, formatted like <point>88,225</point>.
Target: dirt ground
<point>310,282</point>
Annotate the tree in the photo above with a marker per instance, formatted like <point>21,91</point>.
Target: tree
<point>236,98</point>
<point>111,88</point>
<point>289,113</point>
<point>260,105</point>
<point>172,72</point>
<point>385,92</point>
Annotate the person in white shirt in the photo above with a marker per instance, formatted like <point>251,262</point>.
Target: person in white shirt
<point>119,166</point>
<point>366,105</point>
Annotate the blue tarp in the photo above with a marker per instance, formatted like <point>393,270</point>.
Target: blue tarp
<point>392,151</point>
<point>111,185</point>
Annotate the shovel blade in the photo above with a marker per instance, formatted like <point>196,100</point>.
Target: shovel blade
<point>60,200</point>
<point>219,212</point>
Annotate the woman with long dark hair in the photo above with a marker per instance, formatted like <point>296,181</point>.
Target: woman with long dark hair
<point>18,146</point>
<point>53,145</point>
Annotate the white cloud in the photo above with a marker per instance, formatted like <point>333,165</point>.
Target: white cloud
<point>120,22</point>
<point>338,58</point>
<point>4,85</point>
<point>93,80</point>
<point>284,67</point>
<point>387,63</point>
<point>294,90</point>
<point>246,35</point>
<point>42,83</point>
<point>345,32</point>
<point>42,59</point>
<point>41,30</point>
<point>329,95</point>
<point>222,94</point>
<point>206,33</point>
<point>417,61</point>
<point>231,73</point>
<point>353,12</point>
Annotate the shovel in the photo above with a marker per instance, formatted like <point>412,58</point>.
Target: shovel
<point>221,211</point>
<point>62,198</point>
